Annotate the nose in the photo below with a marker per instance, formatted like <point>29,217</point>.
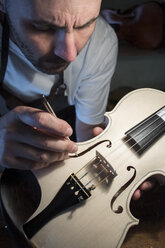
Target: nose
<point>64,45</point>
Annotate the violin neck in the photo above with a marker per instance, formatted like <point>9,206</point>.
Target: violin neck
<point>144,134</point>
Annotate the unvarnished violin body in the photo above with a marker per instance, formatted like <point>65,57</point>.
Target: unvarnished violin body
<point>102,177</point>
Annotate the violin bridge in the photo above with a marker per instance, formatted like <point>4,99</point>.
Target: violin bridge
<point>106,167</point>
<point>104,163</point>
<point>96,172</point>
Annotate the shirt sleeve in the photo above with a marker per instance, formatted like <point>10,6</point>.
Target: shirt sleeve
<point>92,95</point>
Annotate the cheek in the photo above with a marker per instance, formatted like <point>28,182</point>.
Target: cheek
<point>42,43</point>
<point>38,43</point>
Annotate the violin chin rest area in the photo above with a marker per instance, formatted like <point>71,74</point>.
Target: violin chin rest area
<point>20,196</point>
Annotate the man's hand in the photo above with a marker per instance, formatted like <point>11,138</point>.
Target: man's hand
<point>32,139</point>
<point>145,186</point>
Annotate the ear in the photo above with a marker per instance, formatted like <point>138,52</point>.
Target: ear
<point>2,6</point>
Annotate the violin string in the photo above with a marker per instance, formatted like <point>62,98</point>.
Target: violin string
<point>89,163</point>
<point>131,138</point>
<point>131,147</point>
<point>130,155</point>
<point>83,175</point>
<point>91,180</point>
<point>128,140</point>
<point>139,141</point>
<point>159,117</point>
<point>158,126</point>
<point>151,132</point>
<point>144,121</point>
<point>121,144</point>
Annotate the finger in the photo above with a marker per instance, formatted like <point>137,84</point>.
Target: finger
<point>27,164</point>
<point>32,153</point>
<point>21,163</point>
<point>43,120</point>
<point>137,194</point>
<point>146,186</point>
<point>55,144</point>
<point>27,135</point>
<point>97,131</point>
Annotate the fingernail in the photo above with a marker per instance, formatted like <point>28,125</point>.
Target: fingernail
<point>75,148</point>
<point>69,132</point>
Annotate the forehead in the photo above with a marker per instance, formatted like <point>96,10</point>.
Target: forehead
<point>58,11</point>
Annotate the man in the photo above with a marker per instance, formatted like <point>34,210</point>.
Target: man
<point>46,39</point>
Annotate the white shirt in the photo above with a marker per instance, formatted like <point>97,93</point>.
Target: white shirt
<point>87,77</point>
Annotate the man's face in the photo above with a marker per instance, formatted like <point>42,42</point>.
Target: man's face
<point>51,33</point>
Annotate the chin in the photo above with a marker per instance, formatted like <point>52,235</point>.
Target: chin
<point>51,70</point>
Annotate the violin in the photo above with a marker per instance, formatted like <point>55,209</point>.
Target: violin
<point>84,201</point>
<point>141,25</point>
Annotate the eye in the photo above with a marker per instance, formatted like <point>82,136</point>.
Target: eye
<point>84,27</point>
<point>43,28</point>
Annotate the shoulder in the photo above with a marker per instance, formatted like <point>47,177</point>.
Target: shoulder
<point>103,39</point>
<point>104,35</point>
<point>104,28</point>
<point>102,48</point>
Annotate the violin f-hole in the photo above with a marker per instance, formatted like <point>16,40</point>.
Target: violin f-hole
<point>90,148</point>
<point>119,210</point>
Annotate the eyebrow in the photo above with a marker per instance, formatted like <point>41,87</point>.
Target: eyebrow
<point>46,23</point>
<point>87,23</point>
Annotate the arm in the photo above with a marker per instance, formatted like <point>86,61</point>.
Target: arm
<point>85,131</point>
<point>99,65</point>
